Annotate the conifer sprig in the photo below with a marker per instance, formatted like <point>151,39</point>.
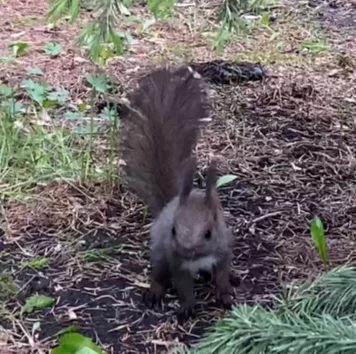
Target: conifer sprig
<point>316,318</point>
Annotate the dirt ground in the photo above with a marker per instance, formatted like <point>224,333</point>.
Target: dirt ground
<point>290,139</point>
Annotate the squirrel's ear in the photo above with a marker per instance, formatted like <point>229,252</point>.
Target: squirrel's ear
<point>187,182</point>
<point>211,184</point>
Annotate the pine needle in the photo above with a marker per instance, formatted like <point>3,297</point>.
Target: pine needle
<point>315,318</point>
<point>254,330</point>
<point>332,293</point>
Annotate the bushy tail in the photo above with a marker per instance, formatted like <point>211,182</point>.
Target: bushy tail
<point>159,131</point>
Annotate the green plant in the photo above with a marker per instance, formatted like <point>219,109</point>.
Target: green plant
<point>101,84</point>
<point>100,34</point>
<point>19,48</point>
<point>315,45</point>
<point>333,293</point>
<point>38,302</point>
<point>317,318</point>
<point>161,9</point>
<point>232,11</point>
<point>225,180</point>
<point>76,343</point>
<point>318,236</point>
<point>37,263</point>
<point>34,71</point>
<point>34,151</point>
<point>44,94</point>
<point>53,49</point>
<point>222,37</point>
<point>250,329</point>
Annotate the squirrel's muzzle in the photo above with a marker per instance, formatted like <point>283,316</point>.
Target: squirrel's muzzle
<point>186,252</point>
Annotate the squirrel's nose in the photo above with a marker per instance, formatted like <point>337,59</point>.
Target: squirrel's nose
<point>188,252</point>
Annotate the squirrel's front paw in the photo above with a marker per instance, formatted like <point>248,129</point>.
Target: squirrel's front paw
<point>225,299</point>
<point>184,312</point>
<point>154,295</point>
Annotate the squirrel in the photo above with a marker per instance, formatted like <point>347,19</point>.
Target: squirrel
<point>159,130</point>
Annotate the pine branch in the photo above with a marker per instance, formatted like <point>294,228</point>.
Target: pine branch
<point>103,29</point>
<point>333,293</point>
<point>254,330</point>
<point>313,319</point>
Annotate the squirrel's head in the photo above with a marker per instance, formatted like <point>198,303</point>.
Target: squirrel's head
<point>195,231</point>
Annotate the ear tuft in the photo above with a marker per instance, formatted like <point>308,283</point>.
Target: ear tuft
<point>211,183</point>
<point>187,182</point>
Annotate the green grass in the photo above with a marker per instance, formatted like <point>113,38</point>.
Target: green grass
<point>32,153</point>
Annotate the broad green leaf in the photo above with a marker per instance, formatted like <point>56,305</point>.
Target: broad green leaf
<point>37,302</point>
<point>82,107</point>
<point>59,95</point>
<point>53,49</point>
<point>225,180</point>
<point>72,115</point>
<point>12,107</point>
<point>86,351</point>
<point>265,19</point>
<point>30,84</point>
<point>99,82</point>
<point>318,236</point>
<point>36,90</point>
<point>34,71</point>
<point>76,343</point>
<point>19,48</point>
<point>49,103</point>
<point>71,328</point>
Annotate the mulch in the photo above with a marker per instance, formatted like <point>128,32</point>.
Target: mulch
<point>291,140</point>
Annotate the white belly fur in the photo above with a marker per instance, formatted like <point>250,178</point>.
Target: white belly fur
<point>204,263</point>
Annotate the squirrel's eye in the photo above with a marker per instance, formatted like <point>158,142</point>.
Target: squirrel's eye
<point>208,235</point>
<point>173,231</point>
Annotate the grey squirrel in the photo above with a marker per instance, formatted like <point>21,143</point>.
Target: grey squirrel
<point>159,129</point>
